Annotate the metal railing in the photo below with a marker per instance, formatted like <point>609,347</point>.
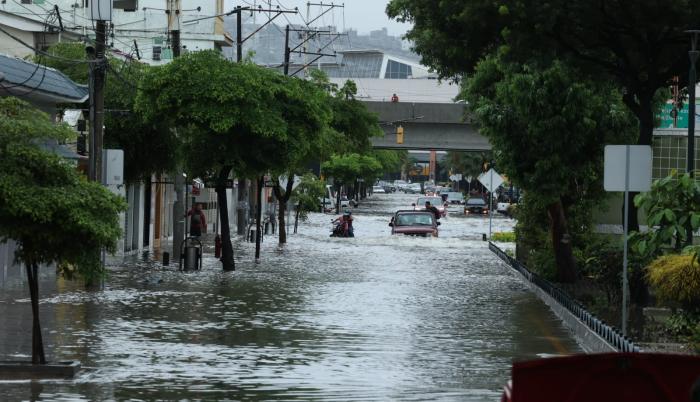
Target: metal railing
<point>608,333</point>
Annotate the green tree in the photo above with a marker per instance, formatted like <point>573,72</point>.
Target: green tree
<point>549,132</point>
<point>640,47</point>
<point>53,214</point>
<point>232,117</point>
<point>306,113</point>
<point>352,121</point>
<point>344,169</point>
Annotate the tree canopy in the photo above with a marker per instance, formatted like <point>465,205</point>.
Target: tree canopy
<point>54,214</point>
<point>638,46</point>
<point>549,131</point>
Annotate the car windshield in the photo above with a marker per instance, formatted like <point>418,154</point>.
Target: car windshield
<point>434,201</point>
<point>414,219</point>
<point>476,201</point>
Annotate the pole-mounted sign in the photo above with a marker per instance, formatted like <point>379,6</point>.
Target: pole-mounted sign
<point>627,168</point>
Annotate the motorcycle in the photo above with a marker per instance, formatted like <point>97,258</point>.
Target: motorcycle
<point>341,229</point>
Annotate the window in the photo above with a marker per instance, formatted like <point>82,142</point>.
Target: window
<point>126,5</point>
<point>396,70</point>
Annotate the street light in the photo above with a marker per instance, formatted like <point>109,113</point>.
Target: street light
<point>693,55</point>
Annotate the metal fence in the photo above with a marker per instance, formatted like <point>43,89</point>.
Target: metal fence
<point>608,333</point>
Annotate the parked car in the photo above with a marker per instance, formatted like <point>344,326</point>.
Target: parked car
<point>378,189</point>
<point>414,223</point>
<point>476,206</point>
<point>453,197</point>
<point>435,201</point>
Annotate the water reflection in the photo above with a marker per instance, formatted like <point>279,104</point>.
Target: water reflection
<point>370,318</point>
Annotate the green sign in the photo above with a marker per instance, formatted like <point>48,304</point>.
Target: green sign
<point>666,117</point>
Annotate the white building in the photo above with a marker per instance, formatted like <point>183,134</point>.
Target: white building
<point>139,28</point>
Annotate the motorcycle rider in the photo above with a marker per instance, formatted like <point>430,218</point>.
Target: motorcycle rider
<point>345,221</point>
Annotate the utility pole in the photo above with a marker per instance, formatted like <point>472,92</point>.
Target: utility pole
<point>693,55</point>
<point>180,204</point>
<point>286,51</point>
<point>96,72</point>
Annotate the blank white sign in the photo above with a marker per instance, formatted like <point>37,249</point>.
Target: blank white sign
<point>639,168</point>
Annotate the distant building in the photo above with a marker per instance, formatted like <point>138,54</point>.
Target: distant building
<point>139,29</point>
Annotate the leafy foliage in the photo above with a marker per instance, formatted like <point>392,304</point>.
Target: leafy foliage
<point>548,131</point>
<point>672,207</point>
<point>676,279</point>
<point>352,123</point>
<point>347,168</point>
<point>307,194</point>
<point>53,213</point>
<point>235,114</point>
<point>548,128</point>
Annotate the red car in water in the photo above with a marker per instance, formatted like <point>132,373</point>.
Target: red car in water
<point>414,223</point>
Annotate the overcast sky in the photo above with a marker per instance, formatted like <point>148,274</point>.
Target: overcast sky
<point>362,15</point>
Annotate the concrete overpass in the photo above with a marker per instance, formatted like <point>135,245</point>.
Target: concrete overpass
<point>429,126</point>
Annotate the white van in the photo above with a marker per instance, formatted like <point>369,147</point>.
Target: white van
<point>453,197</point>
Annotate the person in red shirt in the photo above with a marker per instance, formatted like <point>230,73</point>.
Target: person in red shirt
<point>198,221</point>
<point>394,98</point>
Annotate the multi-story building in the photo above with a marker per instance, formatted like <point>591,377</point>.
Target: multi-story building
<point>138,28</point>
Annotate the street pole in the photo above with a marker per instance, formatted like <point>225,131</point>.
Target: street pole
<point>239,35</point>
<point>490,201</point>
<point>693,54</point>
<point>179,182</point>
<point>97,100</point>
<point>625,282</point>
<point>286,51</point>
<point>242,202</point>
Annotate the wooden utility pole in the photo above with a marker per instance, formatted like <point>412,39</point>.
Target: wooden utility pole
<point>179,179</point>
<point>97,69</point>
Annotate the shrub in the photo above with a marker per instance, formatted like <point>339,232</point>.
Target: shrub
<point>505,237</point>
<point>676,279</point>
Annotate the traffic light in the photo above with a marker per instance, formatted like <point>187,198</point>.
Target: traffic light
<point>399,135</point>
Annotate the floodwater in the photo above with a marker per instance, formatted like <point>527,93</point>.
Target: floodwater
<point>371,318</point>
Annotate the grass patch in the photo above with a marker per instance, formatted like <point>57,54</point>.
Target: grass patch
<point>504,237</point>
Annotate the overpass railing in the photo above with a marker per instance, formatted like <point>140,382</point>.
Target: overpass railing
<point>608,333</point>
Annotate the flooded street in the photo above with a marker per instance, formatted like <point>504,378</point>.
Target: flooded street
<point>369,318</point>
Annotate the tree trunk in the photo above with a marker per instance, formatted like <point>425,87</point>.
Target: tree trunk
<point>296,218</point>
<point>242,210</point>
<point>561,243</point>
<point>283,199</point>
<point>337,200</point>
<point>32,269</point>
<point>641,106</point>
<point>227,261</point>
<point>258,216</point>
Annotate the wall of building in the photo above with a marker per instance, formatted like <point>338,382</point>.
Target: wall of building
<point>11,47</point>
